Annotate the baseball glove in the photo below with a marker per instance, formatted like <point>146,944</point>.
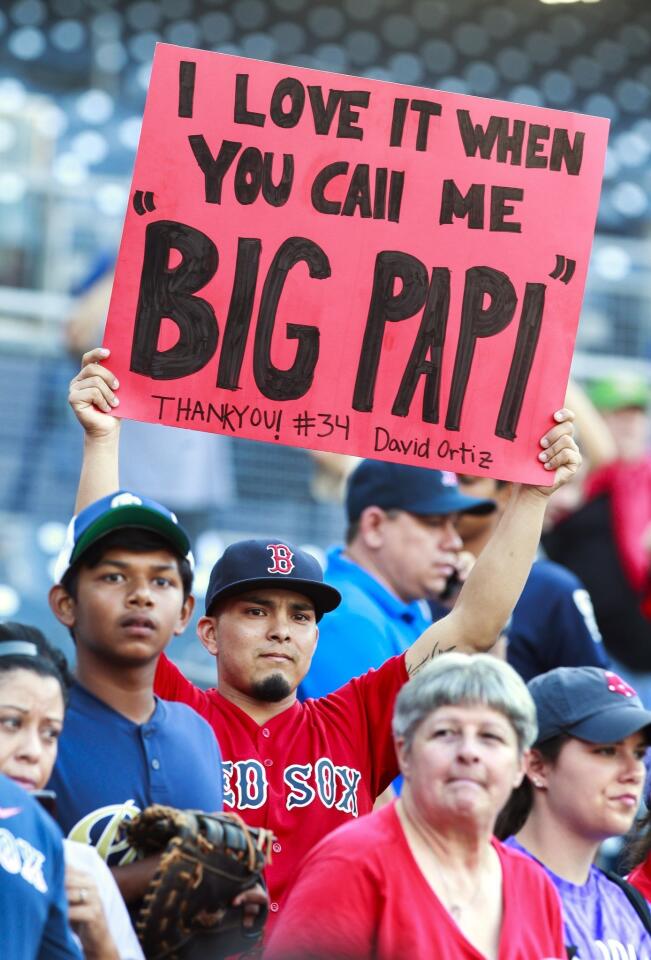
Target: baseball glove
<point>207,859</point>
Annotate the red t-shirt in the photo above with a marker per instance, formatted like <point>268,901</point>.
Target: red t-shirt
<point>640,877</point>
<point>309,769</point>
<point>360,894</point>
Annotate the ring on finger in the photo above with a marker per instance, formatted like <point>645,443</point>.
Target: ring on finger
<point>83,895</point>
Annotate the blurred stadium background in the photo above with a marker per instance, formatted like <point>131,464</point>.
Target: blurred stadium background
<point>73,79</point>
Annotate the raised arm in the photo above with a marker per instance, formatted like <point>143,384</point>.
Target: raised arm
<point>492,588</point>
<point>93,400</point>
<point>496,580</point>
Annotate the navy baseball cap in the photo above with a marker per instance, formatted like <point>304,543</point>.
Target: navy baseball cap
<point>400,486</point>
<point>589,703</point>
<point>248,564</point>
<point>115,512</point>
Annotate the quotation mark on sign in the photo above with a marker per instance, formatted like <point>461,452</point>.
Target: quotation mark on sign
<point>564,267</point>
<point>143,203</point>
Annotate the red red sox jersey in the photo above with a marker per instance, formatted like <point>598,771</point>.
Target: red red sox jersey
<point>309,769</point>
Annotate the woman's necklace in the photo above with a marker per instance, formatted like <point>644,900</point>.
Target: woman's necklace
<point>454,907</point>
<point>452,904</point>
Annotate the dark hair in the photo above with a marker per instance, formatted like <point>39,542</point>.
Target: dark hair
<point>47,661</point>
<point>515,812</point>
<point>134,540</point>
<point>352,530</point>
<point>638,843</point>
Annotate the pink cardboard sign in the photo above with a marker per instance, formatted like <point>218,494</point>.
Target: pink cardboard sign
<point>350,265</point>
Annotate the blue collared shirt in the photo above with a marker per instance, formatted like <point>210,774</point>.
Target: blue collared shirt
<point>369,626</point>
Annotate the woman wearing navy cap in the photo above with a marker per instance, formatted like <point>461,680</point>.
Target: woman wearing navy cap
<point>585,775</point>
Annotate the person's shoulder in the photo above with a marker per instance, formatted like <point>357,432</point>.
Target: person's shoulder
<point>548,573</point>
<point>510,850</point>
<point>81,701</point>
<point>391,673</point>
<point>520,863</point>
<point>607,887</point>
<point>363,837</point>
<point>84,707</point>
<point>182,714</point>
<point>358,587</point>
<point>357,606</point>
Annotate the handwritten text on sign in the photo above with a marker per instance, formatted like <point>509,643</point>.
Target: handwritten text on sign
<point>352,265</point>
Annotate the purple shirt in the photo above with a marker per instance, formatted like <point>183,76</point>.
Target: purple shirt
<point>599,919</point>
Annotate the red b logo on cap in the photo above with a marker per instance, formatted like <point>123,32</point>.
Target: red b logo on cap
<point>282,558</point>
<point>617,685</point>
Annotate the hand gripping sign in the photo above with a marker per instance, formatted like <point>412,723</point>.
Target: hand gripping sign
<point>351,265</point>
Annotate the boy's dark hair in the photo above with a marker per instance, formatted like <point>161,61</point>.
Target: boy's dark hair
<point>515,812</point>
<point>134,540</point>
<point>45,660</point>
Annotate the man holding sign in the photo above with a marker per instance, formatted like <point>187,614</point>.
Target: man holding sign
<point>364,268</point>
<point>304,769</point>
<point>359,267</point>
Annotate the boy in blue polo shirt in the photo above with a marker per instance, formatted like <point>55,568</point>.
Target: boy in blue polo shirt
<point>124,580</point>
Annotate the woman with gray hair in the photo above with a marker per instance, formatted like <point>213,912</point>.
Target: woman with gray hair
<point>424,877</point>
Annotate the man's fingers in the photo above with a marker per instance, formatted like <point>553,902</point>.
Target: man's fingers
<point>92,397</point>
<point>80,912</point>
<point>567,457</point>
<point>563,442</point>
<point>81,895</point>
<point>93,383</point>
<point>96,354</point>
<point>560,452</point>
<point>563,451</point>
<point>98,396</point>
<point>250,913</point>
<point>566,428</point>
<point>96,370</point>
<point>251,901</point>
<point>564,414</point>
<point>254,896</point>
